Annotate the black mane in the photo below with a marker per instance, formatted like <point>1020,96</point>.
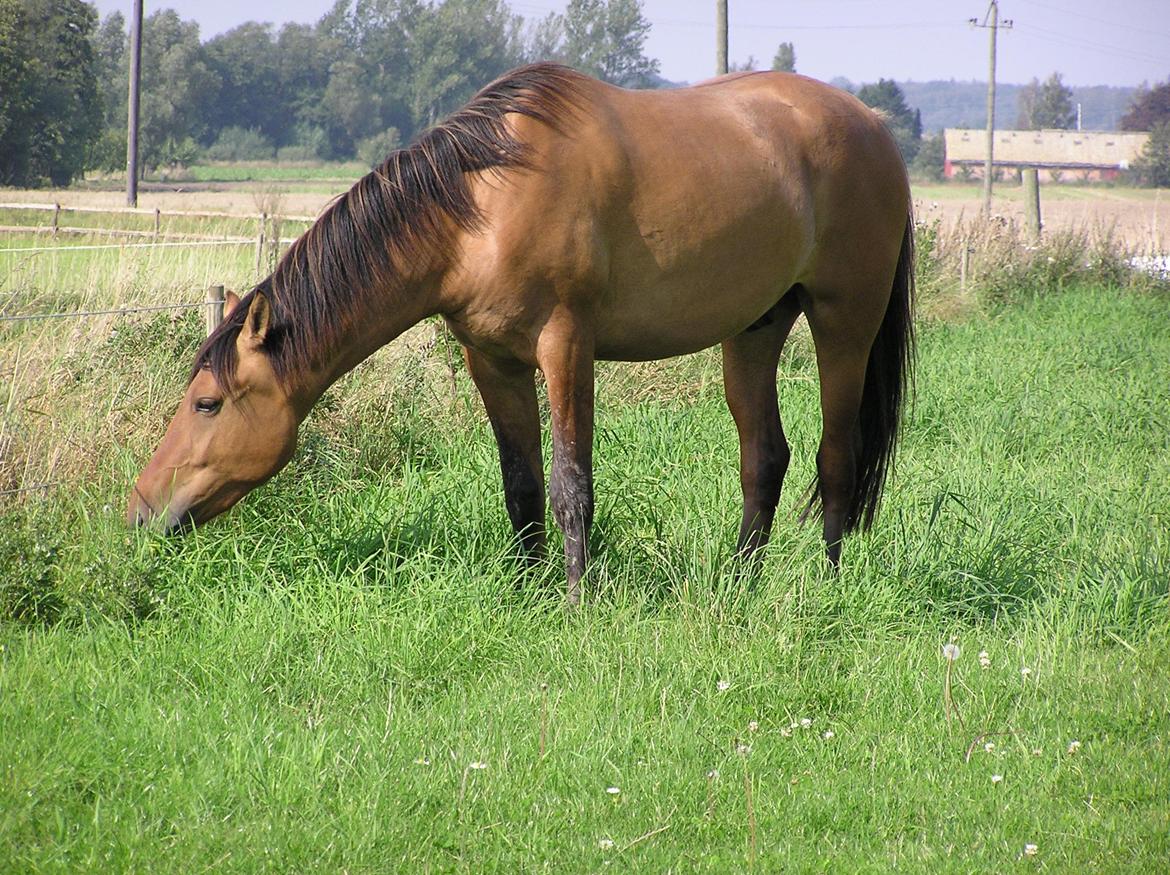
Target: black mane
<point>391,215</point>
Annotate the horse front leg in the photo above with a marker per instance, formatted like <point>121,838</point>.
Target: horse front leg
<point>565,355</point>
<point>508,389</point>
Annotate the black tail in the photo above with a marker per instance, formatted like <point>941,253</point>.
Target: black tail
<point>888,380</point>
<point>889,377</point>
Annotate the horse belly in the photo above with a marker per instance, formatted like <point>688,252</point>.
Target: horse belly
<point>642,322</point>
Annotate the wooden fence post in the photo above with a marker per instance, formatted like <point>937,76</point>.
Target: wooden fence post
<point>964,266</point>
<point>56,216</point>
<point>274,243</point>
<point>157,221</point>
<point>1030,176</point>
<point>214,313</point>
<point>260,241</point>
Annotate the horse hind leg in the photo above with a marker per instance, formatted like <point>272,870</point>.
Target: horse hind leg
<point>749,379</point>
<point>864,340</point>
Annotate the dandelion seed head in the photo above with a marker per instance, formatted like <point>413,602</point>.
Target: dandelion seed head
<point>951,651</point>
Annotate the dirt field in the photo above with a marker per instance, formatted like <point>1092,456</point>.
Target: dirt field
<point>1139,217</point>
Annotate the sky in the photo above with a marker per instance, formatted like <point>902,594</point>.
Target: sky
<point>1126,42</point>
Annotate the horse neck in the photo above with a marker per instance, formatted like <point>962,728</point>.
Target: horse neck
<point>381,318</point>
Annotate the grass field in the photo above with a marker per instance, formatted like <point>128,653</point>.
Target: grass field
<point>343,674</point>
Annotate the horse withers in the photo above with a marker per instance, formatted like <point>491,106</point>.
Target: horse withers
<point>556,220</point>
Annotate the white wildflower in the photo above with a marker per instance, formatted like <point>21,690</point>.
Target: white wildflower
<point>753,725</point>
<point>989,747</point>
<point>827,734</point>
<point>605,844</point>
<point>1030,850</point>
<point>805,722</point>
<point>1074,746</point>
<point>984,659</point>
<point>422,761</point>
<point>613,791</point>
<point>997,779</point>
<point>723,686</point>
<point>477,765</point>
<point>951,651</point>
<point>1024,672</point>
<point>743,749</point>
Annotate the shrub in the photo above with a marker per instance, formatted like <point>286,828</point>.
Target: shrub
<point>240,144</point>
<point>372,151</point>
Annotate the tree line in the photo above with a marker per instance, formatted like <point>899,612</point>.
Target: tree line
<point>366,77</point>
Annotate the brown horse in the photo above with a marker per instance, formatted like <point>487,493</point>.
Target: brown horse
<point>556,220</point>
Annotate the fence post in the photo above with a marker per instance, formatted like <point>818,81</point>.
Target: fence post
<point>260,240</point>
<point>214,313</point>
<point>1031,179</point>
<point>157,222</point>
<point>964,265</point>
<point>56,215</point>
<point>274,242</point>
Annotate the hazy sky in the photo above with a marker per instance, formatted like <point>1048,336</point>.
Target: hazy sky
<point>1092,43</point>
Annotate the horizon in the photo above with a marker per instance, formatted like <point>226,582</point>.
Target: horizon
<point>904,40</point>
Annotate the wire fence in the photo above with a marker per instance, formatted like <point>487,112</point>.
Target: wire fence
<point>214,305</point>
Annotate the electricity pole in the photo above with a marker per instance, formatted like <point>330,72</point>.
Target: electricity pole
<point>720,37</point>
<point>132,108</point>
<point>992,22</point>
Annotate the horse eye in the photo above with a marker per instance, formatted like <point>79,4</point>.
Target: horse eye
<point>208,406</point>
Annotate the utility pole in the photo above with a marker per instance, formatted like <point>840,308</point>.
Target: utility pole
<point>132,108</point>
<point>992,22</point>
<point>720,37</point>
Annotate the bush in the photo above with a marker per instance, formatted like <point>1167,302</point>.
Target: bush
<point>1153,167</point>
<point>929,163</point>
<point>372,151</point>
<point>240,144</point>
<point>310,143</point>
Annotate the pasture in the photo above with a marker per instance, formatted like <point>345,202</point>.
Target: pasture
<point>349,672</point>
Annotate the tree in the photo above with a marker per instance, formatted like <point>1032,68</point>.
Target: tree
<point>785,60</point>
<point>178,89</point>
<point>1046,106</point>
<point>50,115</point>
<point>606,39</point>
<point>245,62</point>
<point>1150,108</point>
<point>905,124</point>
<point>1152,168</point>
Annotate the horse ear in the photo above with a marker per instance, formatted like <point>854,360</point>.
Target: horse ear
<point>256,322</point>
<point>230,301</point>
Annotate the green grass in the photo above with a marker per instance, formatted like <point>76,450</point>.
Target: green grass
<point>262,171</point>
<point>305,685</point>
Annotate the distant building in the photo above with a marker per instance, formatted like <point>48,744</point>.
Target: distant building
<point>1063,154</point>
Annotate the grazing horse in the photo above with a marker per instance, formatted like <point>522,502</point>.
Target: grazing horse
<point>556,220</point>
